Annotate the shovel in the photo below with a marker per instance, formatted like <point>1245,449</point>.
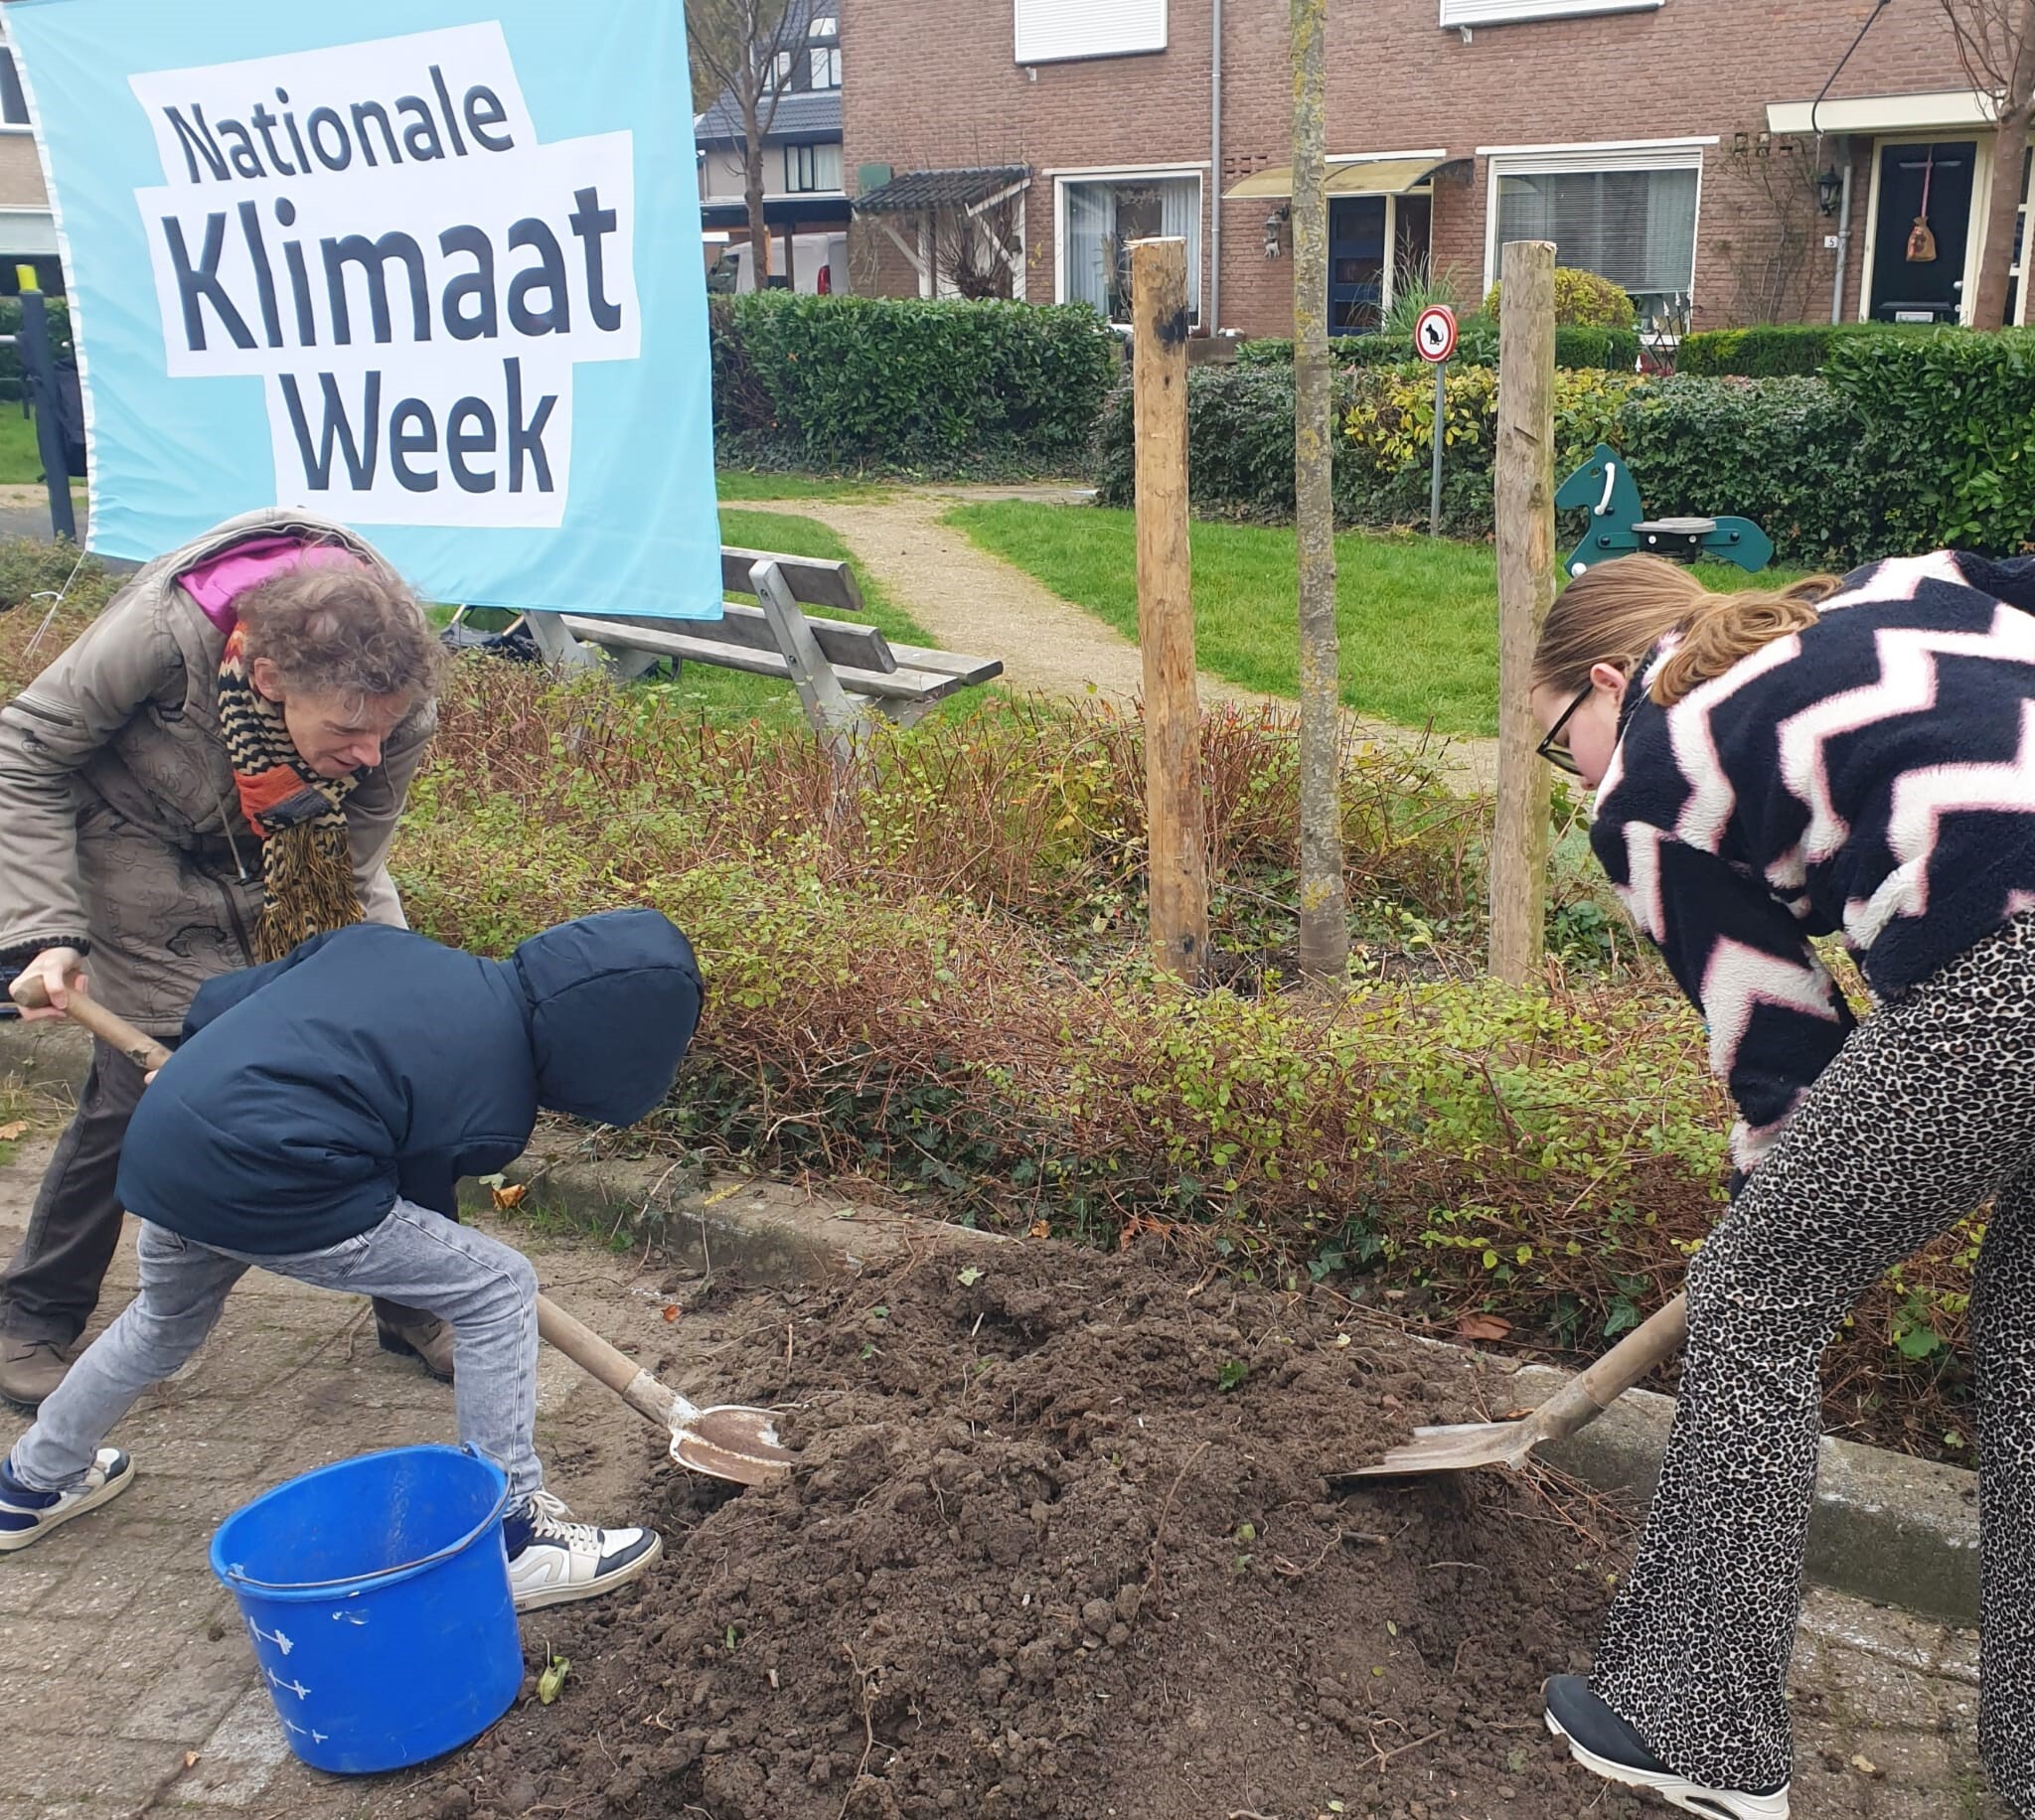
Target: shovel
<point>725,1441</point>
<point>1459,1446</point>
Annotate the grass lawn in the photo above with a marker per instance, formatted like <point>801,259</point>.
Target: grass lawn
<point>701,688</point>
<point>737,483</point>
<point>1418,617</point>
<point>20,464</point>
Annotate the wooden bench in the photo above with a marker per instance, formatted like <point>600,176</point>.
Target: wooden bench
<point>844,673</point>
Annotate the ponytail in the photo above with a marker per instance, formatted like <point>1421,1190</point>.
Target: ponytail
<point>1619,611</point>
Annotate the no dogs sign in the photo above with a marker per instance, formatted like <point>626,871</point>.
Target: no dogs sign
<point>1434,335</point>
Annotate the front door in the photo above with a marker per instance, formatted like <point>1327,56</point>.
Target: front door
<point>1930,183</point>
<point>1357,264</point>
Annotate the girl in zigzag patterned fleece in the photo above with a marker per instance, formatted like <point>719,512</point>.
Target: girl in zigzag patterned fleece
<point>1850,757</point>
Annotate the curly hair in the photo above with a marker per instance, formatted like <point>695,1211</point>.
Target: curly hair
<point>354,632</point>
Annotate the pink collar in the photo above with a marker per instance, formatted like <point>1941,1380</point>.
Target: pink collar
<point>216,584</point>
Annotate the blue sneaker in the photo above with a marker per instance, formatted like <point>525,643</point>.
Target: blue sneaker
<point>26,1515</point>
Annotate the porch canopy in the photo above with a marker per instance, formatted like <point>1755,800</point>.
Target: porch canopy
<point>1362,176</point>
<point>1882,113</point>
<point>918,192</point>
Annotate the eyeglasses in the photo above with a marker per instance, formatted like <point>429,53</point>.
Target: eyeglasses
<point>1553,747</point>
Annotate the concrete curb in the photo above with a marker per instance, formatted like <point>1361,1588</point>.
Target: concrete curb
<point>1886,1528</point>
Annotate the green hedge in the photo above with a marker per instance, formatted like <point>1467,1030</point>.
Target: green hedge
<point>1779,350</point>
<point>1577,346</point>
<point>1781,452</point>
<point>1784,453</point>
<point>10,349</point>
<point>1950,435</point>
<point>876,382</point>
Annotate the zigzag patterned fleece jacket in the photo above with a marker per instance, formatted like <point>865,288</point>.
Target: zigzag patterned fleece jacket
<point>1871,776</point>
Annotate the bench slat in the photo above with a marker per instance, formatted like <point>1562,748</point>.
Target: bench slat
<point>839,640</point>
<point>813,583</point>
<point>887,685</point>
<point>957,664</point>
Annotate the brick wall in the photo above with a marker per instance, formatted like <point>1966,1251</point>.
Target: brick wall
<point>921,98</point>
<point>21,173</point>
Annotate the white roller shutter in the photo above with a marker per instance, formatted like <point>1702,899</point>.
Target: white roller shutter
<point>1054,31</point>
<point>1509,12</point>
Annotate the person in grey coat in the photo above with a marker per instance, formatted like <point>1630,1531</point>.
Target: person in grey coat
<point>211,774</point>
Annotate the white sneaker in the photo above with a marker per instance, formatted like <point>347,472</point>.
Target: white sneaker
<point>25,1516</point>
<point>554,1560</point>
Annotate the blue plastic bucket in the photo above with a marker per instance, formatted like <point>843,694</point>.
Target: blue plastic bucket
<point>376,1596</point>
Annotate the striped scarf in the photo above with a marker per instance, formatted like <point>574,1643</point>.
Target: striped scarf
<point>307,868</point>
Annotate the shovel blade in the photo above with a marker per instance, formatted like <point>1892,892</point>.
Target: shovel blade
<point>1455,1448</point>
<point>732,1443</point>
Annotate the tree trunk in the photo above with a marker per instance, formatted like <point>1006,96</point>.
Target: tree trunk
<point>752,190</point>
<point>1324,912</point>
<point>2009,149</point>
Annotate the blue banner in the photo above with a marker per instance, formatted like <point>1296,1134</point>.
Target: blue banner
<point>428,267</point>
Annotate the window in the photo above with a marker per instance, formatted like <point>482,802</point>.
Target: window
<point>825,26</point>
<point>1625,213</point>
<point>826,68</point>
<point>1511,12</point>
<point>13,104</point>
<point>1054,31</point>
<point>811,167</point>
<point>1099,220</point>
<point>779,74</point>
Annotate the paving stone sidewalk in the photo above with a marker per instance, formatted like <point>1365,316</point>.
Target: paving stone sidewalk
<point>128,1689</point>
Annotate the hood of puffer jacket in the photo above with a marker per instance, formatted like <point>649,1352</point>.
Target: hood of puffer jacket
<point>614,1000</point>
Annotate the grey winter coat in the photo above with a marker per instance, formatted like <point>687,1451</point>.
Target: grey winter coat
<point>120,829</point>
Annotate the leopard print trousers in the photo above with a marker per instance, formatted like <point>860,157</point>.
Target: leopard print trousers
<point>1926,1111</point>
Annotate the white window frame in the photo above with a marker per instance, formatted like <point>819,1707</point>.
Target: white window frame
<point>827,25</point>
<point>2025,221</point>
<point>777,78</point>
<point>1975,235</point>
<point>826,57</point>
<point>1464,14</point>
<point>1581,159</point>
<point>1127,174</point>
<point>1029,53</point>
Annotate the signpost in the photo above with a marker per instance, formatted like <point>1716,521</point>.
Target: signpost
<point>1433,339</point>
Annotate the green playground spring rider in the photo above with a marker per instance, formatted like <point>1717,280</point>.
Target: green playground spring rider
<point>1619,526</point>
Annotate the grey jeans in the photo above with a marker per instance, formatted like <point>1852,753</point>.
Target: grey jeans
<point>486,1289</point>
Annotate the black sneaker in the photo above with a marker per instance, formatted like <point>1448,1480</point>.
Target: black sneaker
<point>1605,1745</point>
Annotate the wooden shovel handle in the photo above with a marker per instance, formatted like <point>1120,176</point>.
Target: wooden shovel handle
<point>613,1367</point>
<point>1590,1393</point>
<point>109,1027</point>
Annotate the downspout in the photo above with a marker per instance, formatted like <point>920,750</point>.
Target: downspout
<point>1212,316</point>
<point>1843,243</point>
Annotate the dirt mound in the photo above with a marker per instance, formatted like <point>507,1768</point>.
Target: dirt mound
<point>1061,1546</point>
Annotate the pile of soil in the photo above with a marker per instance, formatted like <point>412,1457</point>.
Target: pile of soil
<point>1061,1545</point>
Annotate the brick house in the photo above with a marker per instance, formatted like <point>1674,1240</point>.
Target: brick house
<point>28,231</point>
<point>1670,144</point>
<point>804,204</point>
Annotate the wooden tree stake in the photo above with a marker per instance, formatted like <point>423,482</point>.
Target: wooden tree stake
<point>1524,489</point>
<point>1176,820</point>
